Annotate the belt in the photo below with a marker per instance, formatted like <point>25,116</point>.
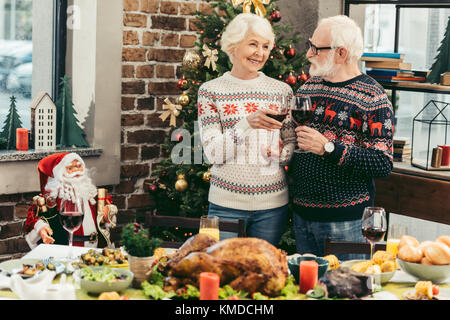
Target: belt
<point>91,238</point>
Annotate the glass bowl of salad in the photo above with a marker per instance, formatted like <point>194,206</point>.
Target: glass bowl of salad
<point>104,279</point>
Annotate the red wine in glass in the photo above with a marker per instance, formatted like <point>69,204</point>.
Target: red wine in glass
<point>372,234</point>
<point>301,116</point>
<point>373,226</point>
<point>302,113</point>
<point>71,218</point>
<point>71,221</point>
<point>278,117</point>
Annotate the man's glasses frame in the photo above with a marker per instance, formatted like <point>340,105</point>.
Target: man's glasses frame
<point>315,49</point>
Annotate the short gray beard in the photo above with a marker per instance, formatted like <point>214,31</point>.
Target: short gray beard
<point>327,70</point>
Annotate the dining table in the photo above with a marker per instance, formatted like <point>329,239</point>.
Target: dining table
<point>400,283</point>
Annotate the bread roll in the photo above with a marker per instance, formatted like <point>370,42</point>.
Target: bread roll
<point>438,253</point>
<point>410,253</point>
<point>426,261</point>
<point>445,240</point>
<point>408,240</point>
<point>424,244</point>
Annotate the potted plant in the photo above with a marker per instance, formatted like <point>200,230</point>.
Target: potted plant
<point>140,248</point>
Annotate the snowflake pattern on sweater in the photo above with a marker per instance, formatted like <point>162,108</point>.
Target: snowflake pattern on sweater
<point>357,116</point>
<point>240,178</point>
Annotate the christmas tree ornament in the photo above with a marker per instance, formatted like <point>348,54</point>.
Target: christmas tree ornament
<point>211,57</point>
<point>206,176</point>
<point>153,187</point>
<point>275,16</point>
<point>191,59</point>
<point>184,99</point>
<point>181,184</point>
<point>302,77</point>
<point>290,52</point>
<point>182,84</point>
<point>260,10</point>
<point>291,79</point>
<point>172,111</point>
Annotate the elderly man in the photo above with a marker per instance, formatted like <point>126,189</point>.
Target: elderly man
<point>63,176</point>
<point>347,141</point>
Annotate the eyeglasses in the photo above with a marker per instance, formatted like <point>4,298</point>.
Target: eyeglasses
<point>314,49</point>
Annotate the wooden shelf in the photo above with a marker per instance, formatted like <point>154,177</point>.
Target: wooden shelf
<point>406,167</point>
<point>418,87</point>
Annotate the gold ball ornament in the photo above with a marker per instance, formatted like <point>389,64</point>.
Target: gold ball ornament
<point>191,60</point>
<point>184,100</point>
<point>181,184</point>
<point>206,176</point>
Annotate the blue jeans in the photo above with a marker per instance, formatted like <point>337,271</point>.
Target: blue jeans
<point>264,224</point>
<point>310,236</point>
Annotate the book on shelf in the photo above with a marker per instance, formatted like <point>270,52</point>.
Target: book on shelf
<point>380,59</point>
<point>395,79</point>
<point>390,72</point>
<point>388,65</point>
<point>402,150</point>
<point>401,141</point>
<point>392,55</point>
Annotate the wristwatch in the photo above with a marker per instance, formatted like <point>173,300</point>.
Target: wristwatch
<point>329,148</point>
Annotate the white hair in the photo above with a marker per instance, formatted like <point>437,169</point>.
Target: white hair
<point>344,32</point>
<point>242,25</point>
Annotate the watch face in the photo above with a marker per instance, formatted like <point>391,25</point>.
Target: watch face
<point>329,147</point>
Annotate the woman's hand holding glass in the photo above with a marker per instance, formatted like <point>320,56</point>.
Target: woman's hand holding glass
<point>260,120</point>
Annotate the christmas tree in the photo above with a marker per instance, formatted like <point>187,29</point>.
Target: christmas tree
<point>11,123</point>
<point>442,60</point>
<point>68,130</point>
<point>181,188</point>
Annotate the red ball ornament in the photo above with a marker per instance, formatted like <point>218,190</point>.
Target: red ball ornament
<point>291,79</point>
<point>182,84</point>
<point>290,52</point>
<point>153,187</point>
<point>303,77</point>
<point>275,16</point>
<point>179,137</point>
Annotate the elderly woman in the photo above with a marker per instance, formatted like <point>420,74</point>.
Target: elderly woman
<point>236,133</point>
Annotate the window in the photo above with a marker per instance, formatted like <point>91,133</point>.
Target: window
<point>421,31</point>
<point>16,48</point>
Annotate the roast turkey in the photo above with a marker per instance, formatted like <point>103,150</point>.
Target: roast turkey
<point>249,264</point>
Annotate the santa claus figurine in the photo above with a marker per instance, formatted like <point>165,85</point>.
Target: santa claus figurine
<point>63,176</point>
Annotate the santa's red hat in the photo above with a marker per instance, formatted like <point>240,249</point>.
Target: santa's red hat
<point>53,166</point>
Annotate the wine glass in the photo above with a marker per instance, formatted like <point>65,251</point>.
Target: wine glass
<point>279,104</point>
<point>71,217</point>
<point>374,226</point>
<point>301,113</point>
<point>210,225</point>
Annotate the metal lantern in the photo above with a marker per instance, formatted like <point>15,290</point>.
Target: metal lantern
<point>430,137</point>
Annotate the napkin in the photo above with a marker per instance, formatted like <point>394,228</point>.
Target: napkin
<point>4,282</point>
<point>40,287</point>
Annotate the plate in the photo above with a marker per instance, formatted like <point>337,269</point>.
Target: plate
<point>15,265</point>
<point>444,293</point>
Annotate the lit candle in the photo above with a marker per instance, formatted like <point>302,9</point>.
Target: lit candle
<point>209,286</point>
<point>22,139</point>
<point>309,271</point>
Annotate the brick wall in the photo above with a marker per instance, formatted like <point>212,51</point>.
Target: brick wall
<point>156,35</point>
